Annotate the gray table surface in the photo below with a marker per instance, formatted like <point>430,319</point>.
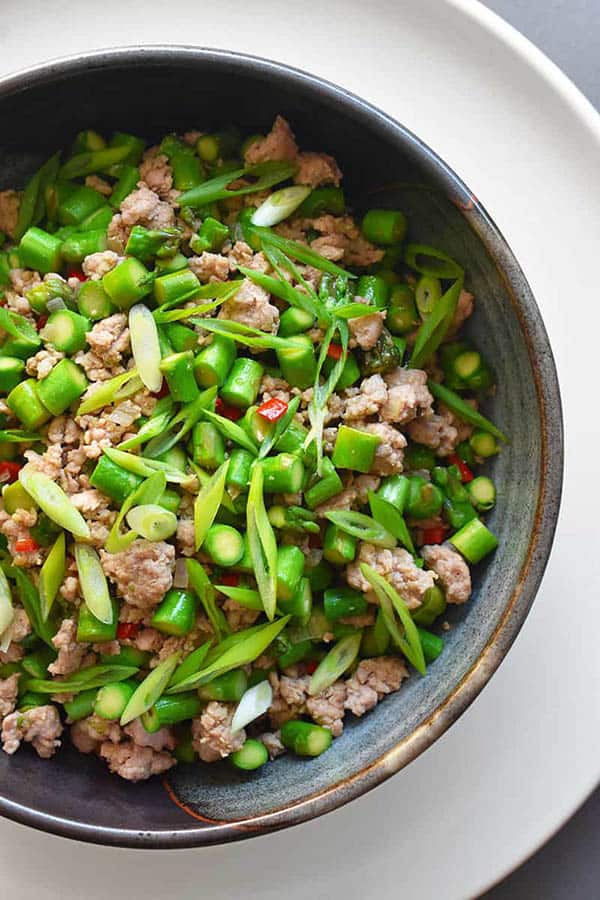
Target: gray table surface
<point>568,866</point>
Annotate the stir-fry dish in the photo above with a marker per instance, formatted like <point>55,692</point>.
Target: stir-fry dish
<point>238,432</point>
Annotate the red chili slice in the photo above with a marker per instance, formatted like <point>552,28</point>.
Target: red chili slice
<point>231,579</point>
<point>26,545</point>
<point>272,410</point>
<point>434,535</point>
<point>311,666</point>
<point>465,473</point>
<point>76,273</point>
<point>228,412</point>
<point>41,321</point>
<point>127,630</point>
<point>335,351</point>
<point>9,472</point>
<point>164,390</point>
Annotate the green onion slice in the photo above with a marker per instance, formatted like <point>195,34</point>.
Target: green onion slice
<point>460,408</point>
<point>254,703</point>
<point>117,388</point>
<point>6,608</point>
<point>248,646</point>
<point>205,592</point>
<point>52,574</point>
<point>266,174</point>
<point>335,663</point>
<point>431,261</point>
<point>84,680</point>
<point>434,329</point>
<point>52,500</point>
<point>389,600</point>
<point>145,346</point>
<point>207,503</point>
<point>262,543</point>
<point>153,522</point>
<point>94,585</point>
<point>279,205</point>
<point>151,689</point>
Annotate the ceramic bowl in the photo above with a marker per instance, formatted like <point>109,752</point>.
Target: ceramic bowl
<point>154,90</point>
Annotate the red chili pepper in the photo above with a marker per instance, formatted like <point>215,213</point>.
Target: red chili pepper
<point>335,351</point>
<point>40,323</point>
<point>76,273</point>
<point>228,412</point>
<point>311,666</point>
<point>272,410</point>
<point>465,473</point>
<point>9,472</point>
<point>434,535</point>
<point>231,579</point>
<point>127,630</point>
<point>162,392</point>
<point>26,545</point>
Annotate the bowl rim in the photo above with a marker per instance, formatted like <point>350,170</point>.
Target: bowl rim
<point>549,491</point>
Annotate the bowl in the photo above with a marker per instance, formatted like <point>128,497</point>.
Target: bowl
<point>151,90</point>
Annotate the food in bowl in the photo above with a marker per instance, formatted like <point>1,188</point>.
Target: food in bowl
<point>239,434</point>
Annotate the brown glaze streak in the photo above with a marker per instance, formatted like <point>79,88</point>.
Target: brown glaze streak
<point>457,701</point>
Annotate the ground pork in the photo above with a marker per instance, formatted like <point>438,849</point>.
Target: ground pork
<point>272,741</point>
<point>463,429</point>
<point>373,679</point>
<point>209,267</point>
<point>212,738</point>
<point>289,698</point>
<point>43,362</point>
<point>407,396</point>
<point>135,763</point>
<point>451,569</point>
<point>271,386</point>
<point>103,430</point>
<point>341,238</point>
<point>365,331</point>
<point>16,528</point>
<point>9,688</point>
<point>99,185</point>
<point>71,654</point>
<point>278,144</point>
<point>156,173</point>
<point>316,169</point>
<point>159,740</point>
<point>20,627</point>
<point>327,708</point>
<point>251,306</point>
<point>243,255</point>
<point>141,207</point>
<point>354,494</point>
<point>87,734</point>
<point>109,338</point>
<point>186,537</point>
<point>434,431</point>
<point>389,455</point>
<point>63,430</point>
<point>23,279</point>
<point>366,400</point>
<point>142,573</point>
<point>96,265</point>
<point>40,726</point>
<point>239,616</point>
<point>9,211</point>
<point>397,567</point>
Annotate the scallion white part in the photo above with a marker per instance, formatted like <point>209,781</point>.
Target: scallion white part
<point>7,614</point>
<point>279,205</point>
<point>254,703</point>
<point>145,346</point>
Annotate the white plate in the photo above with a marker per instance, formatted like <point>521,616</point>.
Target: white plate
<point>525,755</point>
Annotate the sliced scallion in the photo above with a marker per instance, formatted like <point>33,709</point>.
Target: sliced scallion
<point>94,586</point>
<point>279,205</point>
<point>254,703</point>
<point>145,346</point>
<point>52,500</point>
<point>151,688</point>
<point>152,522</point>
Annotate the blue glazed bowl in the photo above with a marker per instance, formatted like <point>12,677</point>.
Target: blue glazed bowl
<point>153,90</point>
